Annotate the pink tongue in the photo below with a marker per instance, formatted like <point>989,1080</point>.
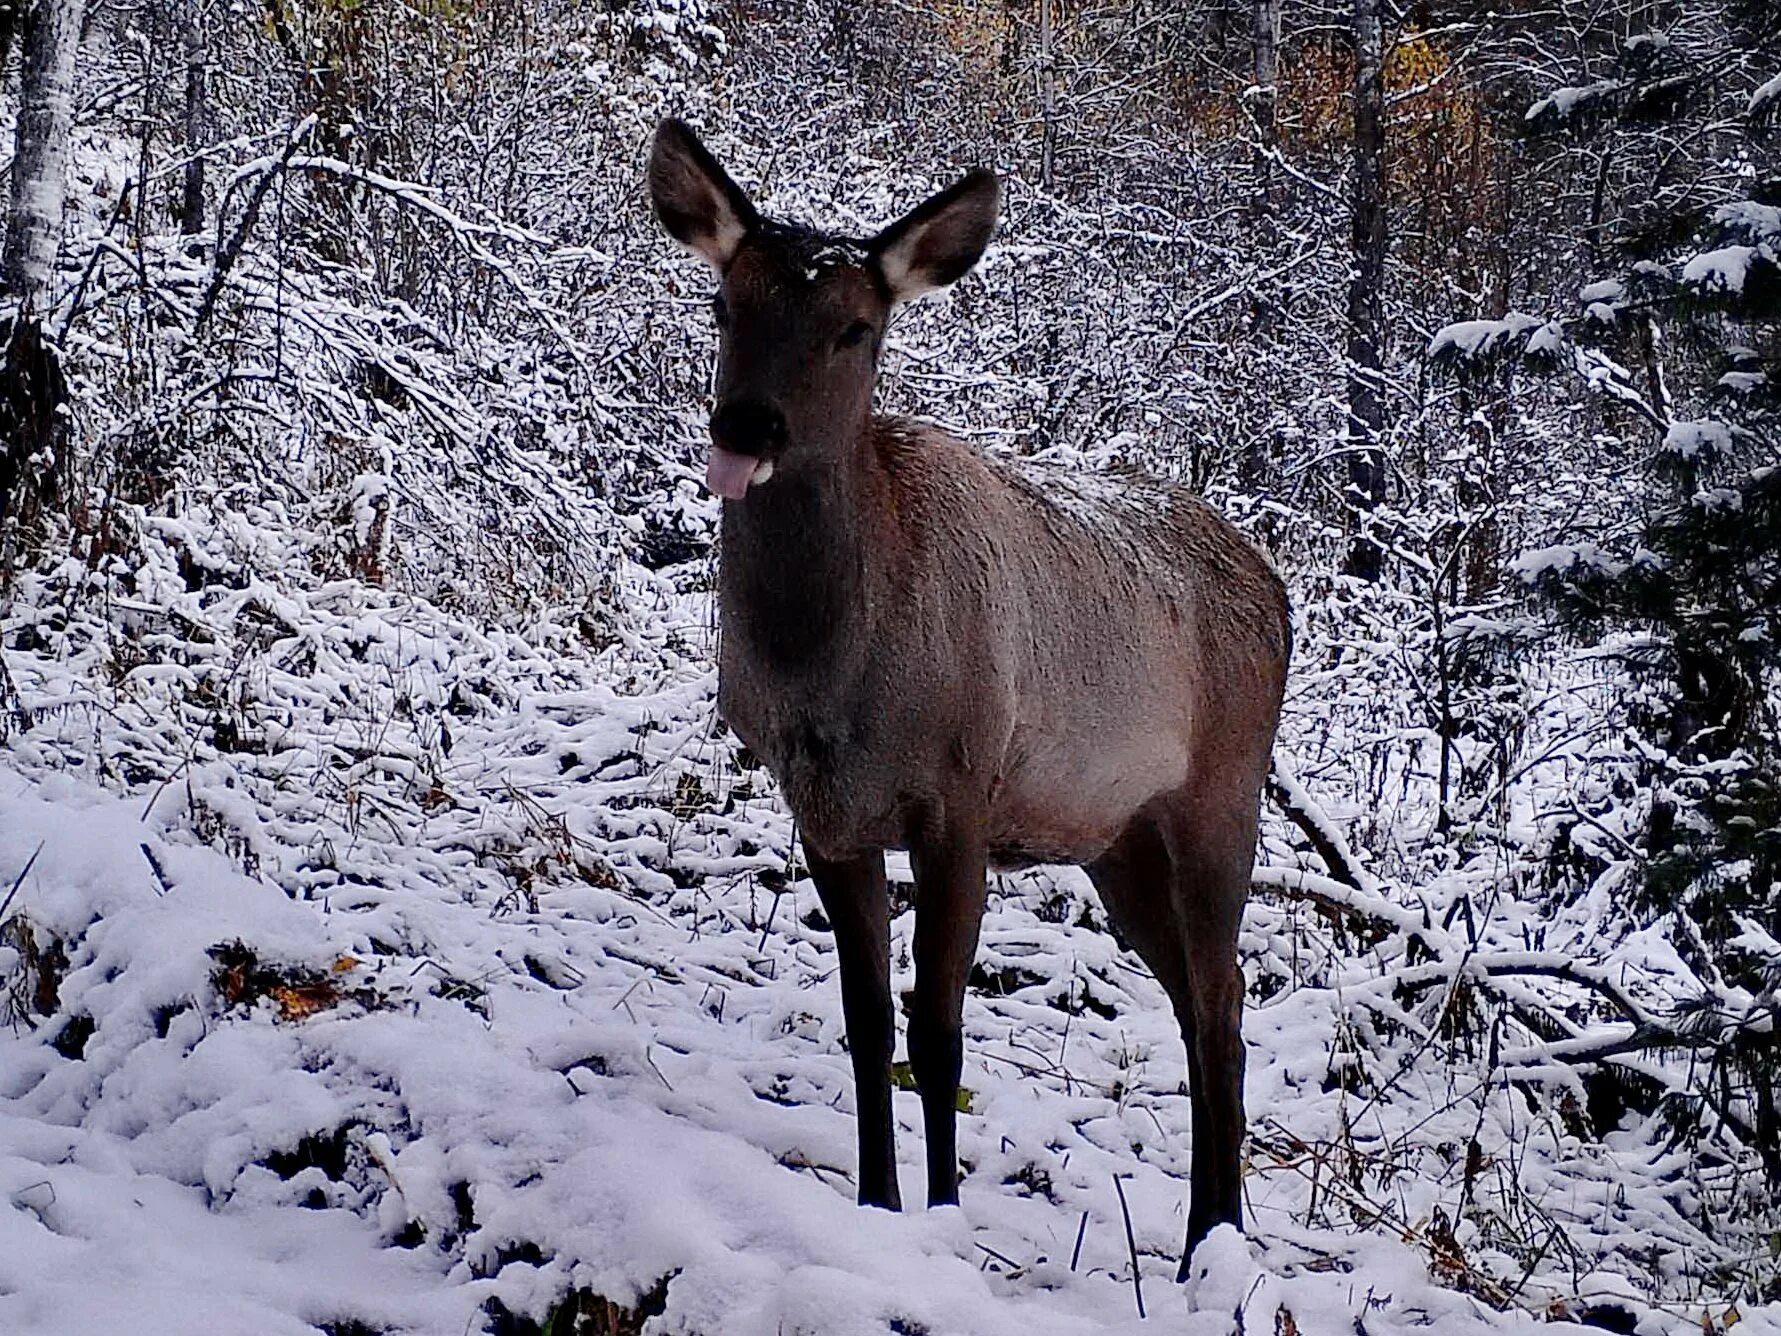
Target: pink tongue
<point>728,473</point>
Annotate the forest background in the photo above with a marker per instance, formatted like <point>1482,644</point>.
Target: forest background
<point>350,529</point>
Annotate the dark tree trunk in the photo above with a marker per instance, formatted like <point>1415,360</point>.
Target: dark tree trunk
<point>32,390</point>
<point>1264,21</point>
<point>1366,333</point>
<point>1254,465</point>
<point>1047,97</point>
<point>197,115</point>
<point>9,26</point>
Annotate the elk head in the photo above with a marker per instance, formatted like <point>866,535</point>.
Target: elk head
<point>800,313</point>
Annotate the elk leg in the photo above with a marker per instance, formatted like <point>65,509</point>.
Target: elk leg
<point>853,896</point>
<point>1209,895</point>
<point>1135,879</point>
<point>950,889</point>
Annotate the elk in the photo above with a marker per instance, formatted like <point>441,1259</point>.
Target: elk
<point>985,664</point>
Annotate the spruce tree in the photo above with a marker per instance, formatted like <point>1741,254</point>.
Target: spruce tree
<point>1683,333</point>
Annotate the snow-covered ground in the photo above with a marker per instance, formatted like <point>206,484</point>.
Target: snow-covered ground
<point>593,1094</point>
<point>369,972</point>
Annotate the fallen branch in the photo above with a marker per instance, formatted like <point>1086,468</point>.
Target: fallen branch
<point>1561,1044</point>
<point>228,252</point>
<point>1302,810</point>
<point>1341,897</point>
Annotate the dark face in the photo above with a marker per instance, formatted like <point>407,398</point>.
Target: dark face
<point>801,314</point>
<point>800,318</point>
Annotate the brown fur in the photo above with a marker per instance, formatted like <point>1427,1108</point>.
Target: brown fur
<point>939,675</point>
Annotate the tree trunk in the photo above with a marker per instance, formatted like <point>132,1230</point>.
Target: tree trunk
<point>50,35</point>
<point>191,206</point>
<point>1366,332</point>
<point>1264,24</point>
<point>1254,466</point>
<point>9,26</point>
<point>1047,97</point>
<point>32,389</point>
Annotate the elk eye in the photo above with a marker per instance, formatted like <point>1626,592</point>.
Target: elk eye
<point>854,335</point>
<point>720,311</point>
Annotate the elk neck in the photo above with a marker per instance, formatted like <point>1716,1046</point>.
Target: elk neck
<point>796,565</point>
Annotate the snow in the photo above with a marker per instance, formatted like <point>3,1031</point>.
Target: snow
<point>1766,98</point>
<point>1744,382</point>
<point>588,1035</point>
<point>1474,339</point>
<point>1754,222</point>
<point>1536,562</point>
<point>1548,341</point>
<point>605,1116</point>
<point>1562,103</point>
<point>833,255</point>
<point>1722,269</point>
<point>1698,441</point>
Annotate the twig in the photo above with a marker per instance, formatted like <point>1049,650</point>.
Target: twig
<point>1245,285</point>
<point>1484,1285</point>
<point>162,788</point>
<point>767,927</point>
<point>19,880</point>
<point>154,865</point>
<point>1003,1258</point>
<point>1081,1229</point>
<point>86,277</point>
<point>1131,1243</point>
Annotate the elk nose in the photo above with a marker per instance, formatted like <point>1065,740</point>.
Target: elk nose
<point>748,427</point>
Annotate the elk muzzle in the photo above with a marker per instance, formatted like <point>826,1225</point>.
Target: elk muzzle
<point>746,436</point>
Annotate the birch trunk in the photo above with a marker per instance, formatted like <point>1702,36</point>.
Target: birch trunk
<point>50,37</point>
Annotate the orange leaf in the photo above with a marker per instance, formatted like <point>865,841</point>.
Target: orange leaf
<point>295,1001</point>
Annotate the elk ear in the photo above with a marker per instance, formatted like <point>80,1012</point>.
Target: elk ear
<point>941,239</point>
<point>698,204</point>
